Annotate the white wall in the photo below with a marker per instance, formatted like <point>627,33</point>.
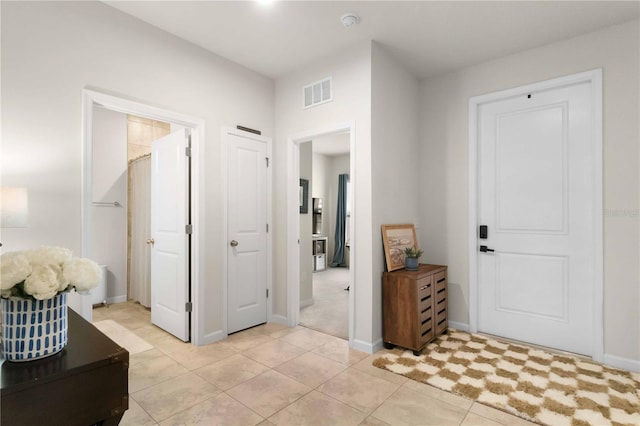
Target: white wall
<point>109,223</point>
<point>306,257</point>
<point>444,190</point>
<point>351,72</point>
<point>395,163</point>
<point>50,52</point>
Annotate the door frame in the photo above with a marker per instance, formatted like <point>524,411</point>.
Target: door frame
<point>226,131</point>
<point>91,98</point>
<point>594,77</point>
<point>293,220</point>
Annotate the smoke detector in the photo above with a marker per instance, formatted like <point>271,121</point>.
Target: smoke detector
<point>349,19</point>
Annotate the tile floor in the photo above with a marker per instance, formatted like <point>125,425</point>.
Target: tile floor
<point>273,375</point>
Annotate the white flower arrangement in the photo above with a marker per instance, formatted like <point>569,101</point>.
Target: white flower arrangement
<point>44,273</point>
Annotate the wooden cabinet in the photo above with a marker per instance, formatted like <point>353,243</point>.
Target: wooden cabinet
<point>84,384</point>
<point>414,306</point>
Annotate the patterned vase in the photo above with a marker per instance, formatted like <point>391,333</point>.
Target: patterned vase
<point>33,329</point>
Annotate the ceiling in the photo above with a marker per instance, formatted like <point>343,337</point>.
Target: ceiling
<point>429,37</point>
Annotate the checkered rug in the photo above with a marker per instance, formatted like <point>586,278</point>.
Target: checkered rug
<point>530,383</point>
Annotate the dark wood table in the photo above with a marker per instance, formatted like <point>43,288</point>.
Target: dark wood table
<point>84,384</point>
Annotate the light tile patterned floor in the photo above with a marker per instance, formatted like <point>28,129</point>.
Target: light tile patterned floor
<point>273,375</point>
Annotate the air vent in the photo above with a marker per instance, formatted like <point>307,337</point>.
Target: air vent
<point>317,93</point>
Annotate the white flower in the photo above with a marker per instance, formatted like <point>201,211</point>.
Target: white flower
<point>83,274</point>
<point>48,256</point>
<point>42,283</point>
<point>14,268</point>
<point>63,282</point>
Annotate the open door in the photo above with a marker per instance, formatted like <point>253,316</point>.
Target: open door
<point>170,234</point>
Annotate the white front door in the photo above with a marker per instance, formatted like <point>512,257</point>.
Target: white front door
<point>536,177</point>
<point>170,241</point>
<point>247,230</point>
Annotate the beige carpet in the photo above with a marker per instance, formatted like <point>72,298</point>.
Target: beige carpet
<point>329,313</point>
<point>122,336</point>
<point>534,384</point>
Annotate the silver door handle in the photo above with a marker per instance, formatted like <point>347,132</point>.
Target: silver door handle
<point>151,241</point>
<point>233,243</point>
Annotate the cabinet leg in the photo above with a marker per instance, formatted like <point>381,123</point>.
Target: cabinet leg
<point>417,353</point>
<point>388,345</point>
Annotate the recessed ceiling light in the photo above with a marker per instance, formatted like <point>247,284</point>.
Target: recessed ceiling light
<point>349,19</point>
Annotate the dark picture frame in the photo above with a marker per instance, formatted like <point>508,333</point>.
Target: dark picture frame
<point>304,196</point>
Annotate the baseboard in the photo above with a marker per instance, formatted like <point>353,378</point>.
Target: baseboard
<point>279,319</point>
<point>305,303</point>
<point>459,326</point>
<point>367,347</point>
<point>623,363</point>
<point>213,337</point>
<point>116,299</point>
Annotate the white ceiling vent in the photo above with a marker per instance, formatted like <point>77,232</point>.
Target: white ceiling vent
<point>317,93</point>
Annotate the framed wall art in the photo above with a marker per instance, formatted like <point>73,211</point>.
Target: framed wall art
<point>395,239</point>
<point>304,196</point>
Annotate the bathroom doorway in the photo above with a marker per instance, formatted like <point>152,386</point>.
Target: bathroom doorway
<point>107,197</point>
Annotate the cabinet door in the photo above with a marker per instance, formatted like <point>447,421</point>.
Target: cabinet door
<point>440,302</point>
<point>425,329</point>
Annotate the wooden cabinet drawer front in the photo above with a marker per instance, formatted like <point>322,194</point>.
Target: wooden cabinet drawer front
<point>440,280</point>
<point>424,302</point>
<point>424,287</point>
<point>441,325</point>
<point>441,298</point>
<point>441,318</point>
<point>427,331</point>
<point>425,299</point>
<point>441,301</point>
<point>426,312</point>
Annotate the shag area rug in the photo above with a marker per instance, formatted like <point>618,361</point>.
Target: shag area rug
<point>536,385</point>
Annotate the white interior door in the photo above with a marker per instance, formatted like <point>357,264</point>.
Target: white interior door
<point>535,197</point>
<point>247,231</point>
<point>170,241</point>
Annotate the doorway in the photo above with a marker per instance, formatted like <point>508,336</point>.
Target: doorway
<point>92,99</point>
<point>294,237</point>
<point>536,263</point>
<point>324,255</point>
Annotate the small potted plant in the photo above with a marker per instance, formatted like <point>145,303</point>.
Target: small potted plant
<point>411,256</point>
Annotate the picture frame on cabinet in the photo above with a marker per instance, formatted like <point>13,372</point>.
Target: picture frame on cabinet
<point>395,238</point>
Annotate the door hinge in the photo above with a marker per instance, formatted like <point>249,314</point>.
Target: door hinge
<point>267,293</point>
<point>187,151</point>
<point>267,227</point>
<point>188,229</point>
<point>188,307</point>
<point>267,160</point>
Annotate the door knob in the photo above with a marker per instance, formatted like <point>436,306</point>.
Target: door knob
<point>151,241</point>
<point>486,249</point>
<point>233,243</point>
